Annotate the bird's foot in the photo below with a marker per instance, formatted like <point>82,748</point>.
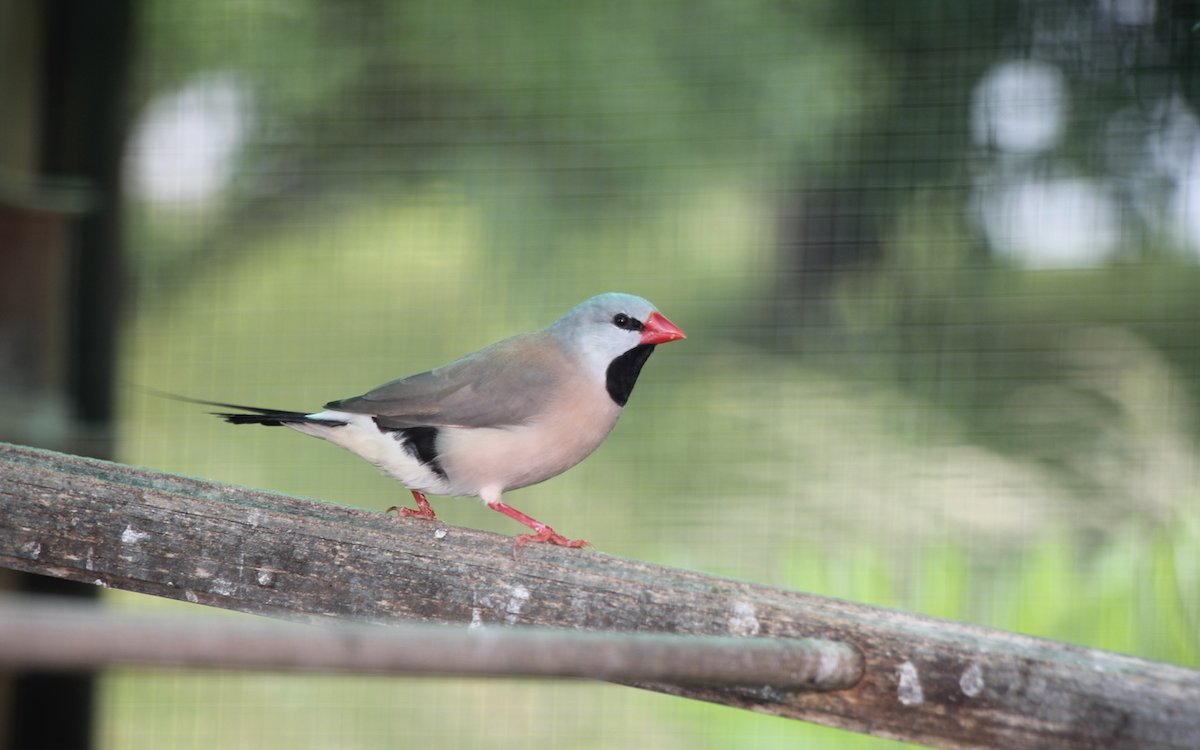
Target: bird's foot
<point>423,509</point>
<point>547,535</point>
<point>542,534</point>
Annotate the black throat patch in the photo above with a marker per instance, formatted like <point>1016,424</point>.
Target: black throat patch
<point>623,372</point>
<point>421,444</point>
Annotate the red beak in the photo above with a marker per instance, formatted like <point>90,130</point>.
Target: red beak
<point>659,330</point>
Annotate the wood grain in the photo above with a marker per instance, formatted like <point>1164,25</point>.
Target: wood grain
<point>940,683</point>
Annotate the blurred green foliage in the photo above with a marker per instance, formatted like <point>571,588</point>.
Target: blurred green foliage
<point>940,432</point>
<point>579,105</point>
<point>730,459</point>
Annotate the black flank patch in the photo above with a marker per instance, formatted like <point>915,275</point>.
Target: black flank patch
<point>421,443</point>
<point>623,372</point>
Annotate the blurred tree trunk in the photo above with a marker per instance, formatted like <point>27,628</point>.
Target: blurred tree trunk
<point>63,83</point>
<point>927,59</point>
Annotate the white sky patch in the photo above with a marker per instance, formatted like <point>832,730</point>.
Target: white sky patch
<point>1063,222</point>
<point>185,144</point>
<point>1174,153</point>
<point>1130,12</point>
<point>1185,207</point>
<point>1019,106</point>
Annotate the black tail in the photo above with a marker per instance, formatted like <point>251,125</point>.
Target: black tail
<point>254,414</point>
<point>268,417</point>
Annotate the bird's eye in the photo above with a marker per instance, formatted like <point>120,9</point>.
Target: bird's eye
<point>621,320</point>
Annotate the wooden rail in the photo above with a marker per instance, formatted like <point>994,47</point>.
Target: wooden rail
<point>931,681</point>
<point>62,635</point>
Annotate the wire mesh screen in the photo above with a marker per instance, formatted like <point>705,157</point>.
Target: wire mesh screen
<point>937,263</point>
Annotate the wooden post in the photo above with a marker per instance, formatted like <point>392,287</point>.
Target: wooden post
<point>930,681</point>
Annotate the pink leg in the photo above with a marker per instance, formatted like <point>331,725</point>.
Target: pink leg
<point>423,510</point>
<point>543,533</point>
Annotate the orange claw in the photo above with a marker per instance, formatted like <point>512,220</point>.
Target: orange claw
<point>423,509</point>
<point>548,536</point>
<point>542,532</point>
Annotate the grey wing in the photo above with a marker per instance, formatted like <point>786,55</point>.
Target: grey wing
<point>505,384</point>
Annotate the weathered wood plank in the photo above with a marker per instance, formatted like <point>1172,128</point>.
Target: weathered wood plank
<point>936,682</point>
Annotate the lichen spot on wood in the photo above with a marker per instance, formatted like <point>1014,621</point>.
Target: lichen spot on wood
<point>971,681</point>
<point>744,619</point>
<point>516,599</point>
<point>222,587</point>
<point>909,691</point>
<point>132,536</point>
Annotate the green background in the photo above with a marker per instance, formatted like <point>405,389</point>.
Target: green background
<point>929,426</point>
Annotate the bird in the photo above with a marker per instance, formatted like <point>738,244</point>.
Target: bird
<point>507,416</point>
